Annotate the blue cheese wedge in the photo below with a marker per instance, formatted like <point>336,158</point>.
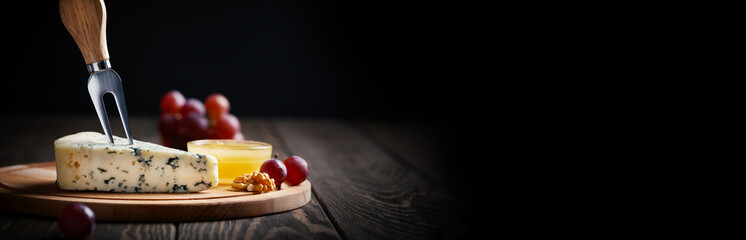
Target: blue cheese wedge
<point>87,161</point>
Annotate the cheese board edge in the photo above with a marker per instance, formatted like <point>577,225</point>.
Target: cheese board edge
<point>158,210</point>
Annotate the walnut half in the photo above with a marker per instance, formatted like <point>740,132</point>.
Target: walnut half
<point>255,182</point>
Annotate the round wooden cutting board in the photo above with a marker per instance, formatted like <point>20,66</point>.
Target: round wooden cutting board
<point>30,189</point>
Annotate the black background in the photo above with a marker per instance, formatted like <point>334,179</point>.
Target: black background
<point>270,58</point>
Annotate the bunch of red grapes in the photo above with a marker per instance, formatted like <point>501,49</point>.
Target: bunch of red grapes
<point>184,120</point>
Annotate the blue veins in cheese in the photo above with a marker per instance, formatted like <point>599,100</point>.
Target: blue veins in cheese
<point>87,161</point>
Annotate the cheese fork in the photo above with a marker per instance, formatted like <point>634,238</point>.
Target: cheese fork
<point>86,22</point>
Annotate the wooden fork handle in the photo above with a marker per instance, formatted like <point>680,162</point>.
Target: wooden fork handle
<point>86,22</point>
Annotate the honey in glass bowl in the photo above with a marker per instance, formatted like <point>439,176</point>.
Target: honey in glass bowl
<point>235,157</point>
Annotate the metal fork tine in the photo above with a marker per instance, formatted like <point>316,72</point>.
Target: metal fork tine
<point>122,106</point>
<point>98,103</point>
<point>108,81</point>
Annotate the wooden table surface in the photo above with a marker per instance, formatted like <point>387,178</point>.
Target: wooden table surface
<point>371,180</point>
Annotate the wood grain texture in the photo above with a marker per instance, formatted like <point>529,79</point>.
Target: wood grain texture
<point>368,194</point>
<point>304,223</point>
<point>407,140</point>
<point>85,20</point>
<point>105,230</point>
<point>430,149</point>
<point>29,227</point>
<point>6,219</point>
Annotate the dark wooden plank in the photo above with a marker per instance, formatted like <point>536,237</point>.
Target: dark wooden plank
<point>6,219</point>
<point>30,227</point>
<point>307,222</point>
<point>421,145</point>
<point>33,228</point>
<point>366,192</point>
<point>106,230</point>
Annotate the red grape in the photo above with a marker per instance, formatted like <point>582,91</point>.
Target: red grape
<point>170,128</point>
<point>211,133</point>
<point>77,221</point>
<point>172,101</point>
<point>169,124</point>
<point>297,168</point>
<point>179,142</point>
<point>192,105</point>
<point>170,121</point>
<point>195,126</point>
<point>182,120</point>
<point>239,136</point>
<point>216,105</point>
<point>167,142</point>
<point>227,126</point>
<point>276,170</point>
